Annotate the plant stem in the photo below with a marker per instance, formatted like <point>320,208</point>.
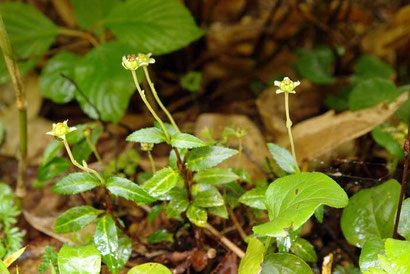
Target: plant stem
<point>234,248</point>
<point>267,244</point>
<point>154,92</point>
<point>289,126</point>
<point>236,223</point>
<point>144,99</point>
<point>151,160</point>
<point>93,148</point>
<point>78,33</point>
<point>21,106</point>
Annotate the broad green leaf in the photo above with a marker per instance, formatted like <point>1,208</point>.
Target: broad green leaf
<point>205,195</point>
<point>178,202</point>
<point>371,213</point>
<point>232,193</point>
<point>387,140</point>
<point>124,250</point>
<point>106,241</point>
<point>150,135</point>
<point>404,111</point>
<point>284,263</point>
<point>75,219</point>
<point>3,268</point>
<point>82,150</point>
<point>397,255</point>
<point>52,84</point>
<point>83,259</point>
<point>292,200</point>
<point>370,66</point>
<point>162,182</point>
<point>370,251</point>
<point>404,224</point>
<point>254,198</point>
<point>155,210</point>
<point>161,235</point>
<point>319,213</point>
<point>159,27</point>
<point>304,250</point>
<point>219,211</point>
<point>215,176</point>
<point>51,151</point>
<point>252,262</point>
<point>184,140</point>
<point>169,128</point>
<point>75,183</point>
<point>283,158</point>
<point>128,190</point>
<point>341,101</point>
<point>371,92</point>
<point>52,169</point>
<point>197,215</point>
<point>151,268</point>
<point>206,157</point>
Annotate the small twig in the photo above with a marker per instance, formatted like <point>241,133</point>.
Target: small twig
<point>233,247</point>
<point>236,223</point>
<point>78,33</point>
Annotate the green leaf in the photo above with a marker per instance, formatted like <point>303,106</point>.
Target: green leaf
<point>197,215</point>
<point>83,259</point>
<point>205,195</point>
<point>82,150</point>
<point>179,202</point>
<point>397,256</point>
<point>51,151</point>
<point>292,199</point>
<point>283,158</point>
<point>162,182</point>
<point>219,211</point>
<point>206,157</point>
<point>191,81</point>
<point>370,66</point>
<point>128,190</point>
<point>155,26</point>
<point>1,133</point>
<point>284,263</point>
<point>155,211</point>
<point>30,32</point>
<point>254,198</point>
<point>371,213</point>
<point>184,140</point>
<point>315,65</point>
<point>151,268</point>
<point>251,262</point>
<point>319,212</point>
<point>215,176</point>
<point>304,250</point>
<point>150,135</point>
<point>3,268</point>
<point>75,183</point>
<point>170,128</point>
<point>387,140</point>
<point>75,219</point>
<point>124,250</point>
<point>371,92</point>
<point>404,111</point>
<point>106,241</point>
<point>404,224</point>
<point>52,84</point>
<point>370,251</point>
<point>161,235</point>
<point>52,169</point>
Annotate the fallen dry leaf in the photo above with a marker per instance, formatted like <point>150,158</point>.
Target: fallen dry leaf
<point>327,264</point>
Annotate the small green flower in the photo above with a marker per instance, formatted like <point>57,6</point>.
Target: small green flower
<point>61,129</point>
<point>145,59</point>
<point>131,62</point>
<point>147,146</point>
<point>286,85</point>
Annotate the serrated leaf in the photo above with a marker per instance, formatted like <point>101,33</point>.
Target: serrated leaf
<point>162,182</point>
<point>292,200</point>
<point>283,158</point>
<point>215,176</point>
<point>219,211</point>
<point>75,219</point>
<point>129,190</point>
<point>75,183</point>
<point>150,135</point>
<point>160,27</point>
<point>252,261</point>
<point>304,250</point>
<point>151,268</point>
<point>161,235</point>
<point>83,259</point>
<point>178,202</point>
<point>369,254</point>
<point>284,263</point>
<point>206,157</point>
<point>197,215</point>
<point>254,198</point>
<point>106,241</point>
<point>404,224</point>
<point>387,140</point>
<point>205,195</point>
<point>397,256</point>
<point>51,151</point>
<point>184,140</point>
<point>371,213</point>
<point>52,169</point>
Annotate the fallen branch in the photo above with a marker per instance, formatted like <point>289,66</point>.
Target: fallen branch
<point>233,247</point>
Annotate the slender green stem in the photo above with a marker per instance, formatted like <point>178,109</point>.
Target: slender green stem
<point>94,149</point>
<point>78,33</point>
<point>289,126</point>
<point>144,99</point>
<point>151,160</point>
<point>154,92</point>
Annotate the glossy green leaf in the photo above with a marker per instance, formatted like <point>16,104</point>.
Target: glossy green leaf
<point>387,140</point>
<point>215,176</point>
<point>305,250</point>
<point>254,198</point>
<point>404,224</point>
<point>206,157</point>
<point>197,215</point>
<point>52,169</point>
<point>220,211</point>
<point>75,219</point>
<point>252,261</point>
<point>150,135</point>
<point>124,250</point>
<point>51,151</point>
<point>129,190</point>
<point>205,195</point>
<point>83,259</point>
<point>371,213</point>
<point>369,254</point>
<point>162,182</point>
<point>106,241</point>
<point>283,158</point>
<point>284,263</point>
<point>319,213</point>
<point>371,92</point>
<point>292,200</point>
<point>370,66</point>
<point>159,27</point>
<point>161,235</point>
<point>178,202</point>
<point>397,255</point>
<point>75,183</point>
<point>151,268</point>
<point>184,140</point>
